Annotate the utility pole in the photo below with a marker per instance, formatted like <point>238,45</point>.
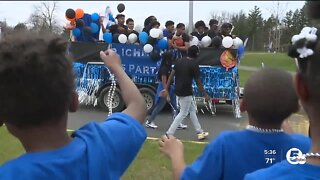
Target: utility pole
<point>190,16</point>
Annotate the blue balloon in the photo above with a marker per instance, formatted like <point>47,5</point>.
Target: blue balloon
<point>94,27</point>
<point>143,37</point>
<point>107,37</point>
<point>95,17</point>
<point>163,44</point>
<point>76,32</point>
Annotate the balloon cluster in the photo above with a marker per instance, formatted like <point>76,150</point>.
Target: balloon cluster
<point>226,42</point>
<point>148,42</point>
<point>155,38</point>
<point>77,24</point>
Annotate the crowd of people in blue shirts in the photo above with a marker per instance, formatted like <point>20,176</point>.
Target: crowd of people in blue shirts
<point>36,70</point>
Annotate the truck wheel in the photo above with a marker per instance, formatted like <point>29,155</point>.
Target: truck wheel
<point>149,96</point>
<point>117,102</point>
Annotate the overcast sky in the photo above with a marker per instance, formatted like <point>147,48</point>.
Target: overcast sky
<point>18,11</point>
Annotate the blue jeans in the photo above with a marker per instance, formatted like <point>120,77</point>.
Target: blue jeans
<point>157,109</point>
<point>161,102</point>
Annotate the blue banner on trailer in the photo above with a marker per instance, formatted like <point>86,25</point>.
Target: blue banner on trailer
<point>135,61</point>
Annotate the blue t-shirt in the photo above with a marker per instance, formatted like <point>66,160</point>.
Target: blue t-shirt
<point>166,33</point>
<point>97,151</point>
<point>286,171</point>
<point>235,153</point>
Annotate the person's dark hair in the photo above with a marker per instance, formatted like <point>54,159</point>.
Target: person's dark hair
<point>200,24</point>
<point>213,21</point>
<point>120,16</point>
<point>154,23</point>
<point>180,25</point>
<point>169,23</point>
<point>269,96</point>
<point>36,78</point>
<point>226,25</point>
<point>148,20</point>
<point>167,58</point>
<point>308,66</point>
<point>193,51</point>
<point>129,20</point>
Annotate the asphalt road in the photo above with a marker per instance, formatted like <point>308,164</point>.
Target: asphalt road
<point>223,120</point>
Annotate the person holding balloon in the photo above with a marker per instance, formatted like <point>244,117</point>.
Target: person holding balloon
<point>199,33</point>
<point>147,24</point>
<point>225,30</point>
<point>130,25</point>
<point>180,41</point>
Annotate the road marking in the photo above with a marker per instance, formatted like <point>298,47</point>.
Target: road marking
<point>156,139</point>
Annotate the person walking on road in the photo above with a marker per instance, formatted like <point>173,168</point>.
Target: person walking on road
<point>185,71</point>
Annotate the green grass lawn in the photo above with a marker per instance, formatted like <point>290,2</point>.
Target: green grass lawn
<point>279,60</point>
<point>243,76</point>
<point>149,164</point>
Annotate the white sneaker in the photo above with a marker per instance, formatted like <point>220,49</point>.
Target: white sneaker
<point>151,125</point>
<point>182,126</point>
<point>202,135</point>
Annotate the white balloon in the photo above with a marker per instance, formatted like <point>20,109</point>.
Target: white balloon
<point>295,38</point>
<point>132,38</point>
<point>306,30</point>
<point>122,38</point>
<point>227,42</point>
<point>206,41</point>
<point>237,42</point>
<point>154,33</point>
<point>194,41</point>
<point>148,48</point>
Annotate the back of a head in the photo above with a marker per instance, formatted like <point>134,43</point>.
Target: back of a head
<point>154,23</point>
<point>193,51</point>
<point>148,20</point>
<point>269,96</point>
<point>36,78</point>
<point>309,65</point>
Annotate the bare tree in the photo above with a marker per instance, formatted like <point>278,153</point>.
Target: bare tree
<point>44,17</point>
<point>278,11</point>
<point>222,17</point>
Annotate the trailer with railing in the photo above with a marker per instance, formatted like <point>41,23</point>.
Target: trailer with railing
<point>93,81</point>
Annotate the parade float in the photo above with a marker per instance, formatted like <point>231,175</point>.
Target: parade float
<point>97,86</point>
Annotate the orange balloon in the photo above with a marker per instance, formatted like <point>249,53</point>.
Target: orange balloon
<point>79,13</point>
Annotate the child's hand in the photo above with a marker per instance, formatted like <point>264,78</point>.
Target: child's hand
<point>171,146</point>
<point>110,58</point>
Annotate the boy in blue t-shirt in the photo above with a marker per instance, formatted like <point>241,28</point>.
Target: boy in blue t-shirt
<point>307,85</point>
<point>269,98</point>
<point>37,90</point>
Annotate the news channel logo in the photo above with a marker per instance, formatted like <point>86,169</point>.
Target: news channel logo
<point>295,156</point>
